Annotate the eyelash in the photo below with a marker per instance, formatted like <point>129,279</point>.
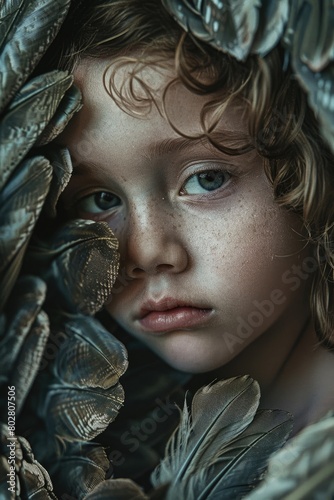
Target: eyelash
<point>208,192</point>
<point>182,192</point>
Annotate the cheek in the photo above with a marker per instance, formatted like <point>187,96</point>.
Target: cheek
<point>246,256</point>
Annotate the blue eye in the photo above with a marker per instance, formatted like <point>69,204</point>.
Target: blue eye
<point>98,202</point>
<point>200,183</point>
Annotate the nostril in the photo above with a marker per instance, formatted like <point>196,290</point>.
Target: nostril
<point>161,268</point>
<point>136,272</point>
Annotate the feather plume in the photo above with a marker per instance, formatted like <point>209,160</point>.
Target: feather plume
<point>31,479</point>
<point>27,117</point>
<point>23,335</point>
<point>223,447</point>
<point>309,38</point>
<point>90,357</point>
<point>223,409</point>
<point>316,26</point>
<point>117,489</point>
<point>79,470</point>
<point>303,468</point>
<point>237,27</point>
<point>273,17</point>
<point>18,216</point>
<point>79,263</point>
<point>21,47</point>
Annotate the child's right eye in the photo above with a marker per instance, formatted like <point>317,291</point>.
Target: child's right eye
<point>98,202</point>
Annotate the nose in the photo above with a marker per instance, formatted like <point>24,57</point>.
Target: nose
<point>152,244</point>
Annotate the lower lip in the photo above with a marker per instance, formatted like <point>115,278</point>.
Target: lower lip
<point>174,319</point>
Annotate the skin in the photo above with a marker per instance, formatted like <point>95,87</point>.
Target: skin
<point>227,249</point>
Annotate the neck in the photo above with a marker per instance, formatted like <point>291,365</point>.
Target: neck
<point>294,372</point>
<point>303,386</point>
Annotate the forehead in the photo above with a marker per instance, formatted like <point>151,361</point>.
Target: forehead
<point>142,103</point>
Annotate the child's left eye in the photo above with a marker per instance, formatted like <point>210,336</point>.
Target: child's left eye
<point>200,183</point>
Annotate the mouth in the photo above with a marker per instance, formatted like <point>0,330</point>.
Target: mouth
<point>169,315</point>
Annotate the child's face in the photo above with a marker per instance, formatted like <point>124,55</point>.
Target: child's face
<point>206,252</point>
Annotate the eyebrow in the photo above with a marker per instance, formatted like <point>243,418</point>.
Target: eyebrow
<point>159,149</point>
<point>154,150</point>
<point>174,145</point>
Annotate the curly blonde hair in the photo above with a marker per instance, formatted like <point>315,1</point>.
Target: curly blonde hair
<point>282,127</point>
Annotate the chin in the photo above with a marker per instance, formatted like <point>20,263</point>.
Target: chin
<point>193,364</point>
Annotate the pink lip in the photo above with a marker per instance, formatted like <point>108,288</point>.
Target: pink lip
<point>168,315</point>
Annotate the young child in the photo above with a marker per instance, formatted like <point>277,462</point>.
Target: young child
<point>214,177</point>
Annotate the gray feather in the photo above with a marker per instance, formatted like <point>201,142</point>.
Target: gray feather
<point>237,27</point>
<point>21,201</point>
<point>273,18</point>
<point>22,312</point>
<point>80,469</point>
<point>117,489</point>
<point>302,469</point>
<point>79,262</point>
<point>220,412</point>
<point>27,117</point>
<point>308,25</point>
<point>237,468</point>
<point>28,27</point>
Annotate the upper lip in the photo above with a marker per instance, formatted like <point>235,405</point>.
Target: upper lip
<point>165,304</point>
